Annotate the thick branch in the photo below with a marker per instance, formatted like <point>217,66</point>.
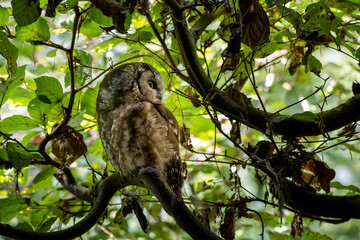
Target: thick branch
<point>247,113</point>
<point>333,119</point>
<point>344,207</point>
<point>174,205</point>
<point>106,188</point>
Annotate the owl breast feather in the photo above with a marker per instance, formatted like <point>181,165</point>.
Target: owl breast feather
<point>138,139</point>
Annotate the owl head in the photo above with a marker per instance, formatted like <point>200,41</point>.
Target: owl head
<point>127,83</point>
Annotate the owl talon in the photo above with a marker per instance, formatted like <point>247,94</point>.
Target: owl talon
<point>149,171</point>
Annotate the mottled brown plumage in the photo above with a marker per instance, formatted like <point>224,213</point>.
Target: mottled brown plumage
<point>135,127</point>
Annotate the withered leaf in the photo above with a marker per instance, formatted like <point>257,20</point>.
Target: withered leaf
<point>296,226</point>
<point>263,149</point>
<point>184,136</point>
<point>227,228</point>
<point>68,146</point>
<point>297,54</point>
<point>255,23</point>
<point>126,209</point>
<point>193,96</point>
<point>235,133</point>
<point>51,8</point>
<point>137,207</point>
<point>316,172</point>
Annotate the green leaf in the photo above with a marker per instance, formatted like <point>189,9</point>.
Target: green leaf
<point>39,110</point>
<point>45,227</point>
<point>37,31</point>
<point>51,53</point>
<point>26,12</point>
<point>88,102</point>
<point>22,96</point>
<point>313,10</point>
<point>25,226</point>
<point>67,5</point>
<point>17,155</point>
<point>97,16</point>
<point>90,28</point>
<point>107,45</point>
<point>279,236</point>
<point>304,117</point>
<point>4,16</point>
<point>307,234</point>
<point>292,17</point>
<point>29,136</point>
<point>324,24</point>
<point>141,35</point>
<point>356,4</point>
<point>357,53</point>
<point>10,207</point>
<point>314,64</point>
<point>7,88</point>
<point>17,123</point>
<point>9,52</point>
<point>42,176</point>
<point>267,218</point>
<point>37,217</point>
<point>49,89</point>
<point>81,75</point>
<point>339,186</point>
<point>83,57</point>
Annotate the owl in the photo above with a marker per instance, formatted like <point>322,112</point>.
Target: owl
<point>135,127</point>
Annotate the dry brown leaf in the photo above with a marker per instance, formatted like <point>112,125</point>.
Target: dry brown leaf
<point>255,24</point>
<point>235,133</point>
<point>193,96</point>
<point>316,172</point>
<point>184,136</point>
<point>227,229</point>
<point>68,146</point>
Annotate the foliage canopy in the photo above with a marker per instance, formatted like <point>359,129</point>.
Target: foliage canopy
<point>265,93</point>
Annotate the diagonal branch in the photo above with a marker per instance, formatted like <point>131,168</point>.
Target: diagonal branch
<point>331,120</point>
<point>174,205</point>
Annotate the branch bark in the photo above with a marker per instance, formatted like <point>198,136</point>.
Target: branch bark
<point>174,205</point>
<point>332,119</point>
<point>68,181</point>
<point>344,207</point>
<point>106,189</point>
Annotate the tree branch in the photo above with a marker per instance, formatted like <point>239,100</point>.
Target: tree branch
<point>344,207</point>
<point>68,181</point>
<point>106,189</point>
<point>246,113</point>
<point>174,205</point>
<point>162,42</point>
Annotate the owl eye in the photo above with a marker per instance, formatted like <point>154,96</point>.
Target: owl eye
<point>151,83</point>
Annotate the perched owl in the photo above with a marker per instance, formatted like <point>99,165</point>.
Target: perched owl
<point>135,127</point>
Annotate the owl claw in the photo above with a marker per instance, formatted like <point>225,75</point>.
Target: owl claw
<point>149,171</point>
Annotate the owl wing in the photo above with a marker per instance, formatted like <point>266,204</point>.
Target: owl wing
<point>173,166</point>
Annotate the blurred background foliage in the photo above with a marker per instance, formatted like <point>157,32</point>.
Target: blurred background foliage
<point>35,89</point>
